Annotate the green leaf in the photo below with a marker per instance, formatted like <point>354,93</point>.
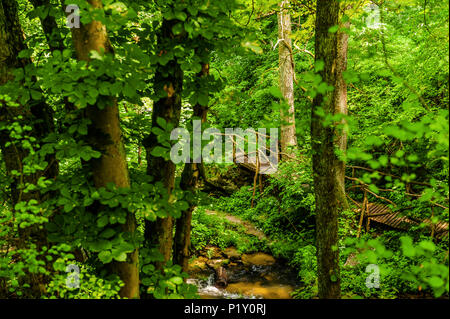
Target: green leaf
<point>105,256</point>
<point>436,282</point>
<point>107,233</point>
<point>101,245</point>
<point>192,10</point>
<point>159,151</point>
<point>148,269</point>
<point>126,247</point>
<point>407,246</point>
<point>203,99</point>
<point>180,15</point>
<point>35,95</point>
<point>427,245</point>
<point>319,65</point>
<point>177,280</point>
<point>276,92</point>
<point>161,122</point>
<point>188,27</point>
<point>333,29</point>
<point>121,257</point>
<point>92,92</point>
<point>177,28</point>
<point>102,221</point>
<point>82,129</point>
<point>383,160</point>
<point>374,189</point>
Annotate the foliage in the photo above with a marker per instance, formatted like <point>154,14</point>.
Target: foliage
<point>397,125</point>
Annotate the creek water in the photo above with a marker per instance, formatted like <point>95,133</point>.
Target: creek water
<point>255,276</point>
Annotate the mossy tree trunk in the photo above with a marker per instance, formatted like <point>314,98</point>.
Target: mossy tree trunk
<point>168,79</point>
<point>327,167</point>
<point>340,101</point>
<point>286,73</point>
<point>36,114</point>
<point>105,135</point>
<point>190,177</point>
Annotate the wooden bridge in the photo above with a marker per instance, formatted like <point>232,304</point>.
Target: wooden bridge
<point>370,212</point>
<point>382,214</point>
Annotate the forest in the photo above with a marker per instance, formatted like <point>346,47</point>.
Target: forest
<point>224,149</point>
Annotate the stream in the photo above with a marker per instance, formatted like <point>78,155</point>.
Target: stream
<point>250,276</point>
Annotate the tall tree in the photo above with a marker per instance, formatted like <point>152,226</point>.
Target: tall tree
<point>190,177</point>
<point>36,114</point>
<point>340,102</point>
<point>286,74</point>
<point>168,80</point>
<point>105,135</point>
<point>327,167</point>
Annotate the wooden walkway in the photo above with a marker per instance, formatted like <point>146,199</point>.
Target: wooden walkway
<point>384,215</point>
<point>255,167</point>
<point>373,212</point>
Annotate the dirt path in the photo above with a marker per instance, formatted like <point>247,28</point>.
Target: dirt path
<point>249,227</point>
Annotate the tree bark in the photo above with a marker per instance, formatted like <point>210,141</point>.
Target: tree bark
<point>340,101</point>
<point>38,115</point>
<point>192,172</point>
<point>105,135</point>
<point>327,168</point>
<point>170,79</point>
<point>286,74</point>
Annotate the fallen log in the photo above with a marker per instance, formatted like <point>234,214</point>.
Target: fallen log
<point>221,277</point>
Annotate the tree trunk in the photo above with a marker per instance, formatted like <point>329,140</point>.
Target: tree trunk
<point>327,168</point>
<point>105,135</point>
<point>192,172</point>
<point>286,73</point>
<point>170,79</point>
<point>340,101</point>
<point>11,43</point>
<point>38,115</point>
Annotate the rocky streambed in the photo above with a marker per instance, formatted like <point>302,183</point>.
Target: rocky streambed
<point>228,274</point>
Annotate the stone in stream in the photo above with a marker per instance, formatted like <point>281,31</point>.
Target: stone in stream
<point>198,265</point>
<point>232,253</point>
<point>258,259</point>
<point>256,275</point>
<point>216,263</point>
<point>212,252</point>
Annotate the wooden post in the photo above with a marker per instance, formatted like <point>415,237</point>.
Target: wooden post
<point>431,223</point>
<point>234,148</point>
<point>361,218</point>
<point>368,216</point>
<point>255,178</point>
